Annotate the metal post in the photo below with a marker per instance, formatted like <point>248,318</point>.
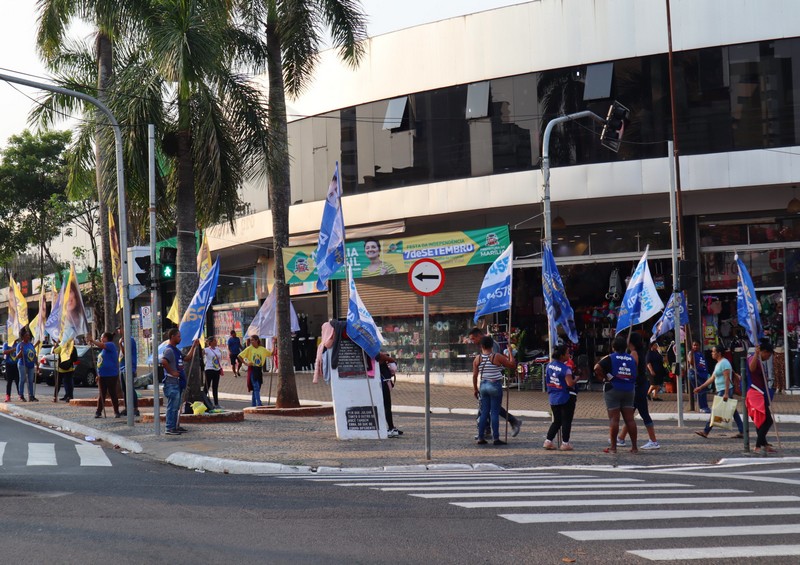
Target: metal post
<point>427,353</point>
<point>745,385</point>
<point>546,193</point>
<point>156,329</point>
<point>676,310</point>
<point>122,211</point>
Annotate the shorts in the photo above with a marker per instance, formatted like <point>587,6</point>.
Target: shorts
<point>658,379</point>
<point>617,399</point>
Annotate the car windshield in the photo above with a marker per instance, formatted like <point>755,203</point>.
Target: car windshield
<point>82,349</point>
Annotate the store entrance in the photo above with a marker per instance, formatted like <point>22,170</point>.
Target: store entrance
<point>312,312</point>
<point>720,325</point>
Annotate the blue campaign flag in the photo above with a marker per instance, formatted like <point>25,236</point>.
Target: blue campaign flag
<point>361,328</point>
<point>559,310</point>
<point>641,301</point>
<point>667,320</point>
<point>329,256</point>
<point>194,318</point>
<point>747,305</point>
<point>495,293</point>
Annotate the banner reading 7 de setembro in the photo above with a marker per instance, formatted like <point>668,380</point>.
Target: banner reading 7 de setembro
<point>375,257</point>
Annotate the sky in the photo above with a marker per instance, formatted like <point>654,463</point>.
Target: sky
<point>18,36</point>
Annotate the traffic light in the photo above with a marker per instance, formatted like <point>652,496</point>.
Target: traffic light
<point>167,257</point>
<point>143,264</point>
<point>611,136</point>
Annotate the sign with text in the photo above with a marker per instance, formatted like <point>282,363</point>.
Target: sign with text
<point>375,257</point>
<point>357,396</point>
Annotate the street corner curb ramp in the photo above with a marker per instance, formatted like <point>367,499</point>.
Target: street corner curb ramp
<point>231,466</point>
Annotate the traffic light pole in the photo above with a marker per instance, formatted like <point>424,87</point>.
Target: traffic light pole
<point>121,210</point>
<point>156,329</point>
<point>546,172</point>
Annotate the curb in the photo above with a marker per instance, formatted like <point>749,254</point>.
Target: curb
<point>113,439</point>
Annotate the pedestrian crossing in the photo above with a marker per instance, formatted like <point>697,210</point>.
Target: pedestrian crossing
<point>45,455</point>
<point>587,507</point>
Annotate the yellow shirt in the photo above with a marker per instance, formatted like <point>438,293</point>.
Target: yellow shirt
<point>255,356</point>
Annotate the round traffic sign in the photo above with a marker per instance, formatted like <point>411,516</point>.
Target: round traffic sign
<point>426,277</point>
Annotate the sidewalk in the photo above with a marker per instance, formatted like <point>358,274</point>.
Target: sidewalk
<point>278,444</point>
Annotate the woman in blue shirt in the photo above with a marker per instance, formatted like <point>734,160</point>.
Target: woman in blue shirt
<point>108,371</point>
<point>722,377</point>
<point>562,393</point>
<point>26,365</point>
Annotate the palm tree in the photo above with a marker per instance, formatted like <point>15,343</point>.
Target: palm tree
<point>183,73</point>
<point>110,17</point>
<point>293,32</point>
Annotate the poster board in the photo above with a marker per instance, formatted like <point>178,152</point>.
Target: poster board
<point>357,397</point>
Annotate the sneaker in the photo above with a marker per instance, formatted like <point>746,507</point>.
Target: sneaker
<point>515,428</point>
<point>123,412</point>
<point>118,415</point>
<point>566,446</point>
<point>499,442</point>
<point>181,429</point>
<point>136,413</point>
<point>548,444</point>
<point>97,415</point>
<point>393,433</point>
<point>8,398</point>
<point>22,399</point>
<point>482,442</point>
<point>33,399</point>
<point>651,445</point>
<point>620,442</point>
<point>705,411</point>
<point>172,433</point>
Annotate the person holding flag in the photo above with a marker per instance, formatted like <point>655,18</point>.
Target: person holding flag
<point>759,395</point>
<point>172,360</point>
<point>255,357</point>
<point>26,365</point>
<point>12,372</point>
<point>495,293</point>
<point>489,366</point>
<point>329,256</point>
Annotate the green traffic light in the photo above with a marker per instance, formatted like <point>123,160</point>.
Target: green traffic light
<point>167,271</point>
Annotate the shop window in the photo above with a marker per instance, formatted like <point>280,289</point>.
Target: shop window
<point>451,350</point>
<point>714,234</point>
<point>236,286</point>
<point>766,268</point>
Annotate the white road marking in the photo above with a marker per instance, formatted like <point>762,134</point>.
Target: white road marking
<point>2,451</point>
<point>487,482</point>
<point>633,516</point>
<point>42,454</point>
<point>92,456</point>
<point>641,485</point>
<point>773,471</point>
<point>680,533</point>
<point>489,494</point>
<point>626,501</point>
<point>716,553</point>
<point>48,430</point>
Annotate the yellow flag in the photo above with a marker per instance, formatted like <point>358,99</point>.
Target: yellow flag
<point>173,311</point>
<point>22,307</point>
<point>38,322</point>
<point>204,262</point>
<point>116,260</point>
<point>13,321</point>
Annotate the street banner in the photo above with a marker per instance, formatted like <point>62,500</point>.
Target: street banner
<point>116,260</point>
<point>73,315</point>
<point>329,255</point>
<point>559,310</point>
<point>53,324</point>
<point>194,318</point>
<point>641,301</point>
<point>667,320</point>
<point>264,322</point>
<point>747,304</point>
<point>361,328</point>
<point>495,293</point>
<point>376,257</point>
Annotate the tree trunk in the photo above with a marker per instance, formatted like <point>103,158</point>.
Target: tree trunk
<point>279,196</point>
<point>186,278</point>
<point>104,72</point>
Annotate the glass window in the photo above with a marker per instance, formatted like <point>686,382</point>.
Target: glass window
<point>477,100</point>
<point>721,233</point>
<point>598,81</point>
<point>236,286</point>
<point>766,268</point>
<point>395,111</point>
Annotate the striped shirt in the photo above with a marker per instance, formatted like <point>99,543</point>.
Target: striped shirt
<point>487,370</point>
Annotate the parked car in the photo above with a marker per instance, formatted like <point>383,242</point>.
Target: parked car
<point>85,371</point>
<point>44,352</point>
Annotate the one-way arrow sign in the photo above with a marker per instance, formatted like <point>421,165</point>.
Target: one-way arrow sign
<point>426,277</point>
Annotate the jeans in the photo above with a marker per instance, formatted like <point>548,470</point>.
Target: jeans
<point>736,417</point>
<point>702,396</point>
<point>172,392</point>
<point>26,374</point>
<point>256,396</point>
<point>491,398</point>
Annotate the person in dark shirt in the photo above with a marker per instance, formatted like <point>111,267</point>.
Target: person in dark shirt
<point>759,396</point>
<point>643,368</point>
<point>656,370</point>
<point>618,371</point>
<point>234,349</point>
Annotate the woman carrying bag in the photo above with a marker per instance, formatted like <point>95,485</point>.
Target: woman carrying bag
<point>722,377</point>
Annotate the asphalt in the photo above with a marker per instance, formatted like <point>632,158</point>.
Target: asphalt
<point>263,444</point>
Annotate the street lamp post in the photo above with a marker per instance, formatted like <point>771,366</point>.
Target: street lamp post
<point>546,172</point>
<point>123,218</point>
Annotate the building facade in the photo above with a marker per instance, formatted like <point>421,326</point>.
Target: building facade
<point>438,137</point>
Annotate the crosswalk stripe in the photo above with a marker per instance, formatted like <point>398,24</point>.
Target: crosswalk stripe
<point>488,482</point>
<point>725,552</point>
<point>489,494</point>
<point>539,487</point>
<point>2,451</point>
<point>632,516</point>
<point>42,454</point>
<point>626,501</point>
<point>437,477</point>
<point>773,471</point>
<point>92,456</point>
<point>680,533</point>
<point>420,475</point>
